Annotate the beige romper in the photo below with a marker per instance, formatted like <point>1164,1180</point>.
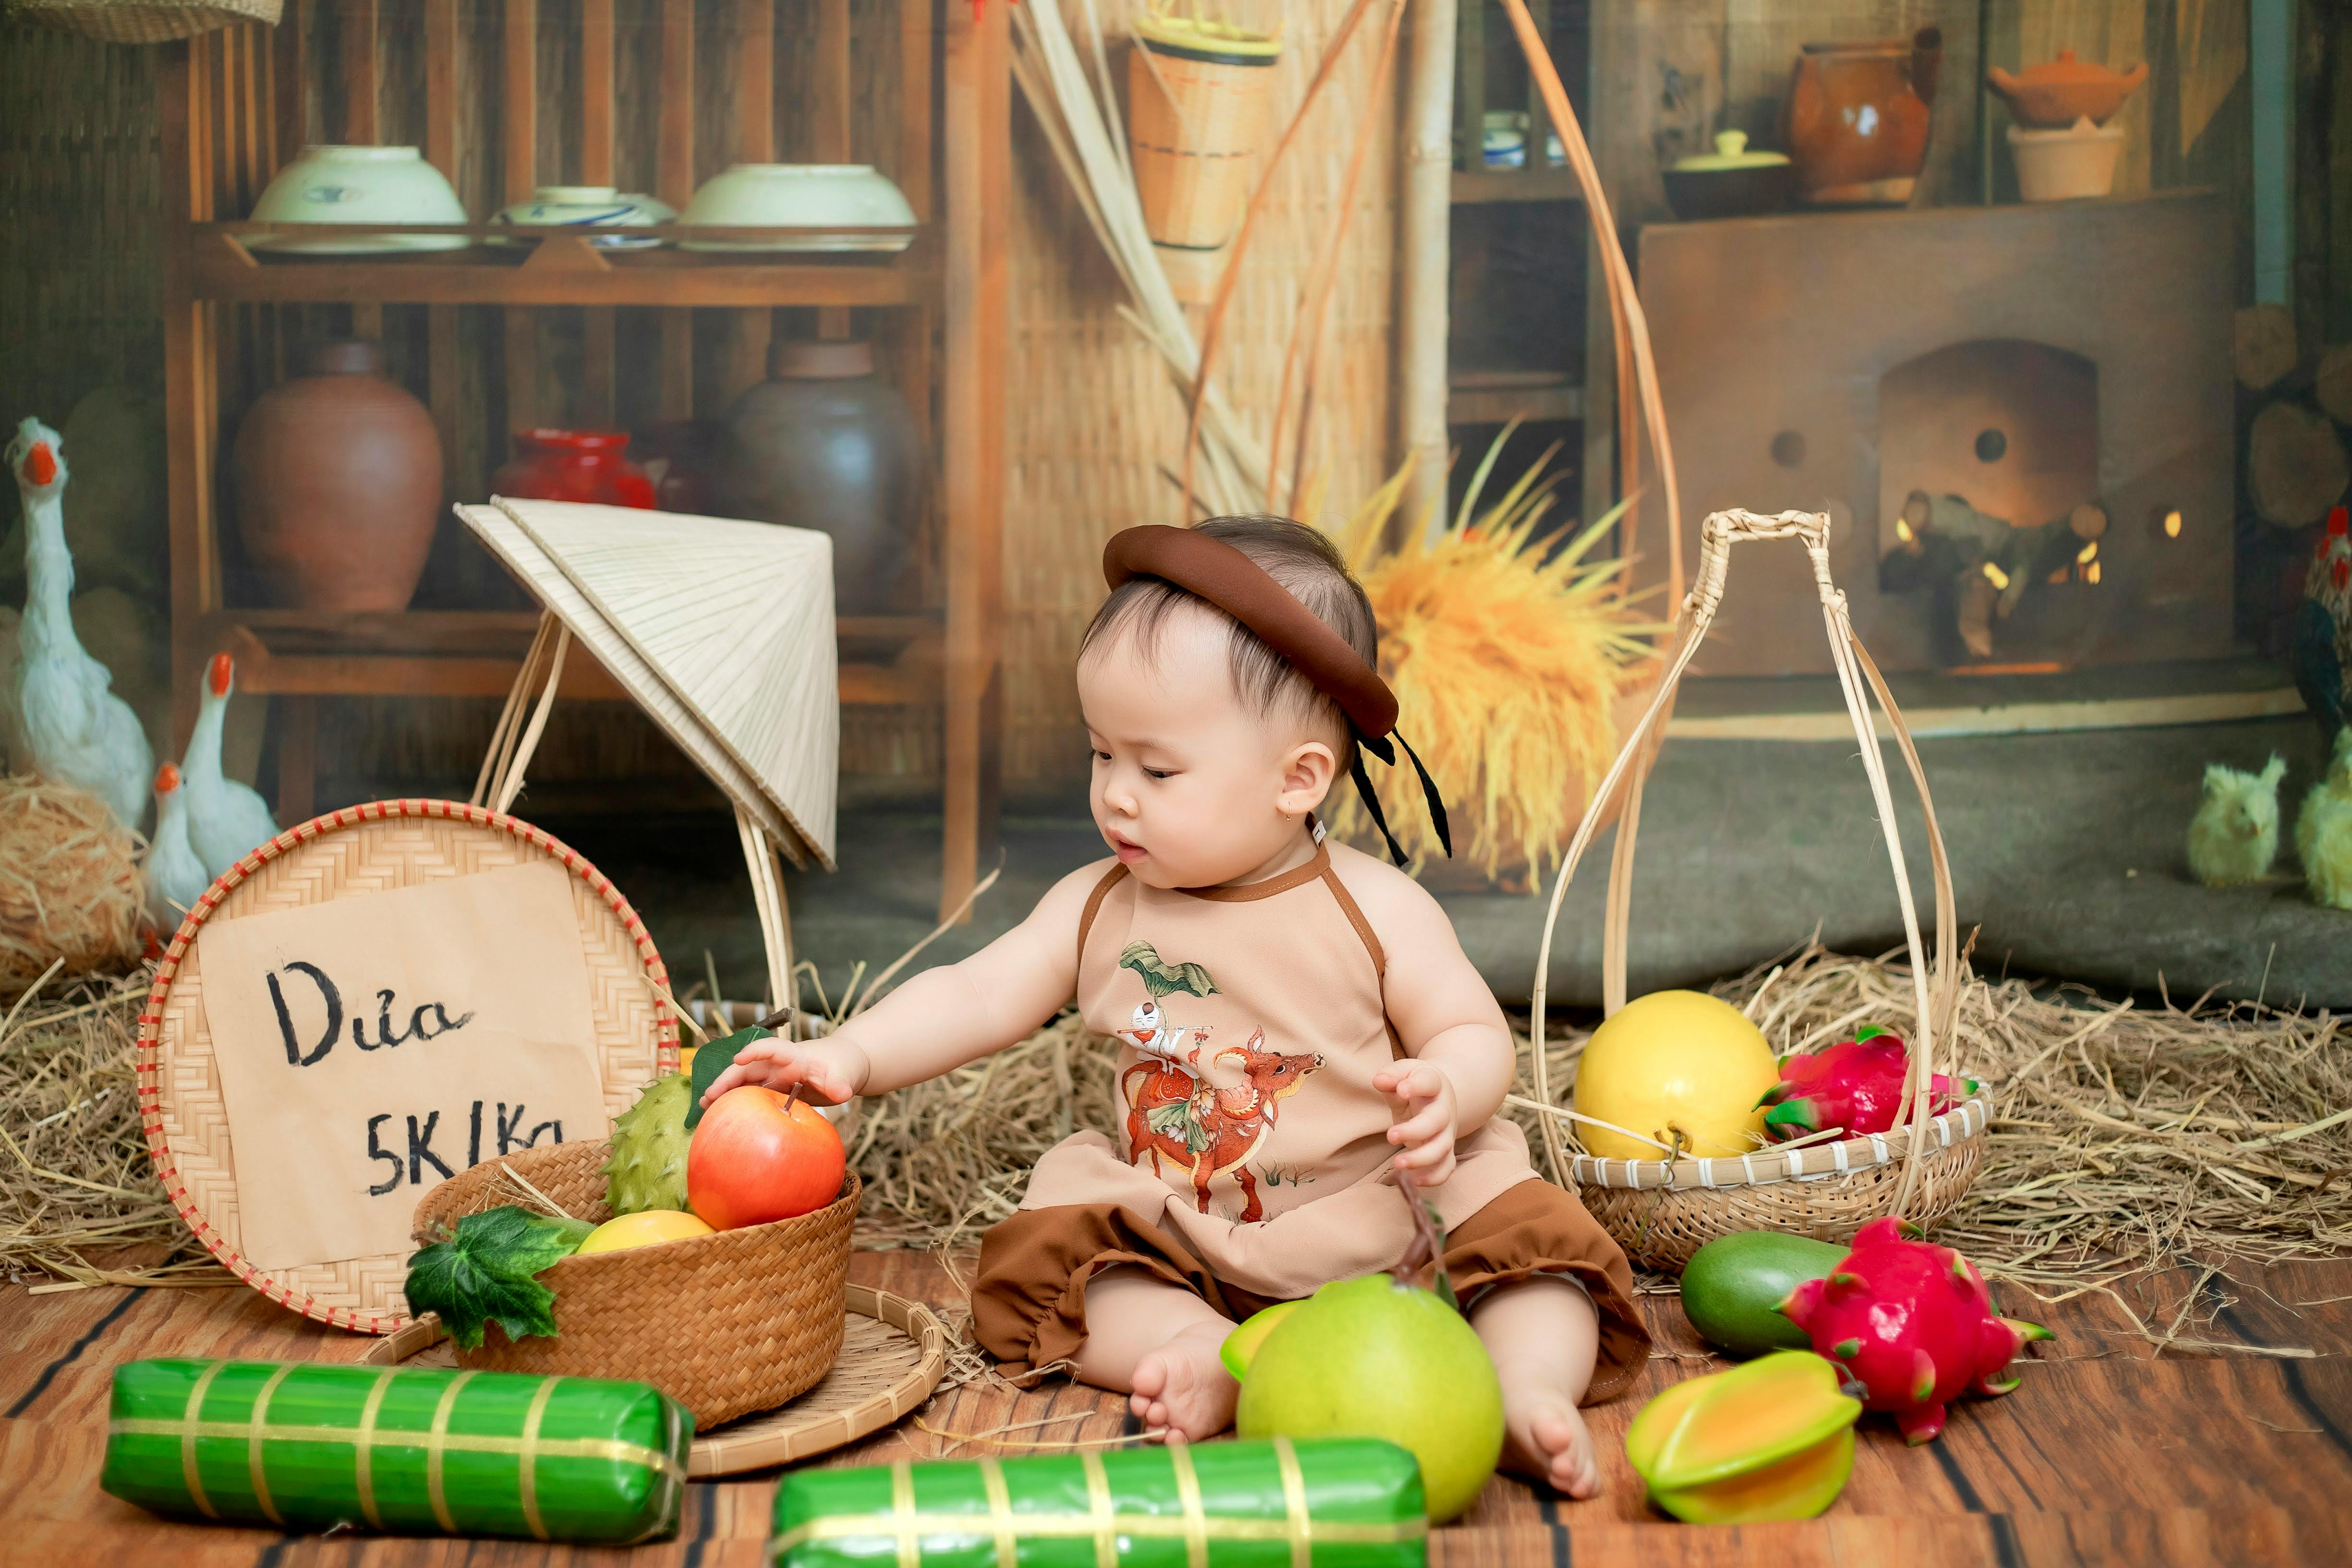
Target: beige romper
<point>1253,1159</point>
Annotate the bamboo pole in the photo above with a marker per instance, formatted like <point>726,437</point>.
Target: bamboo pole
<point>1425,268</point>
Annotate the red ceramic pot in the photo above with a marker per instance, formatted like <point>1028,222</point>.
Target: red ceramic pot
<point>573,465</point>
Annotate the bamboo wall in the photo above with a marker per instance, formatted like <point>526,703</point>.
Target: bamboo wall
<point>1096,425</point>
<point>81,162</point>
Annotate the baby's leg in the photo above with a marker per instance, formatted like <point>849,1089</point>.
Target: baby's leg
<point>1543,1334</point>
<point>1158,1342</point>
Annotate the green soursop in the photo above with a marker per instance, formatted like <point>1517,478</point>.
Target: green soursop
<point>647,1169</point>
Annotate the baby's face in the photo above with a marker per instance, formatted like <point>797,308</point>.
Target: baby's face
<point>1191,788</point>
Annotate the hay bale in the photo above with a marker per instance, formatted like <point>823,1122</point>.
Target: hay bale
<point>70,887</point>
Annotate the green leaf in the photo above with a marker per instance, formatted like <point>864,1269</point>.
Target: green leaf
<point>483,1274</point>
<point>1163,978</point>
<point>713,1060</point>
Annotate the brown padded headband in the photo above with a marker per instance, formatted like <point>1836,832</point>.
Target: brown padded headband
<point>1239,587</point>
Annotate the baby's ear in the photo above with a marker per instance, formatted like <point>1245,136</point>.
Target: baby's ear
<point>1308,771</point>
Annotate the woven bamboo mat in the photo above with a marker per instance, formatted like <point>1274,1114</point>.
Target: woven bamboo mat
<point>893,1355</point>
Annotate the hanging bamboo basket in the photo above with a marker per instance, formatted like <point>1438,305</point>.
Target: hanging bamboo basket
<point>1663,1210</point>
<point>143,21</point>
<point>1199,97</point>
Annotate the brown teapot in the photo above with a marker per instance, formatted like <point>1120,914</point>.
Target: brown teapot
<point>1856,119</point>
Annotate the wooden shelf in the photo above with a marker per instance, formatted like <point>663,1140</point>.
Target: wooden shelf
<point>1478,187</point>
<point>560,269</point>
<point>668,92</point>
<point>1497,397</point>
<point>886,659</point>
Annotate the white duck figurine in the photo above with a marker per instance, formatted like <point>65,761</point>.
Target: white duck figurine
<point>69,724</point>
<point>175,877</point>
<point>226,819</point>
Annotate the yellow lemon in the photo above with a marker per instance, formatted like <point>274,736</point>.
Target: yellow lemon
<point>643,1229</point>
<point>1675,1062</point>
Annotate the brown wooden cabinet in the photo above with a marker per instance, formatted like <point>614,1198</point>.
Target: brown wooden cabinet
<point>503,96</point>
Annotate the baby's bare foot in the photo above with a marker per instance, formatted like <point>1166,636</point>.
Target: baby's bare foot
<point>1545,1440</point>
<point>1182,1388</point>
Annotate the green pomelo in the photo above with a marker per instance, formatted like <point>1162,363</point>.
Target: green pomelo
<point>1373,1358</point>
<point>647,1169</point>
<point>1241,1343</point>
<point>1731,1285</point>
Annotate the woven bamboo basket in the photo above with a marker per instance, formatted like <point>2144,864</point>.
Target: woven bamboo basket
<point>725,1325</point>
<point>1663,1210</point>
<point>1198,107</point>
<point>143,21</point>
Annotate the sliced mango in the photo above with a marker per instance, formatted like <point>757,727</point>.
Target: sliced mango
<point>1772,1440</point>
<point>1799,1487</point>
<point>1243,1343</point>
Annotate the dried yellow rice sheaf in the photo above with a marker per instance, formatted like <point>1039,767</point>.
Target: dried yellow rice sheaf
<point>1507,646</point>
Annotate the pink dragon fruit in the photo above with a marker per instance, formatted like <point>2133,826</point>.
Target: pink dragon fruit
<point>1913,1323</point>
<point>1857,1085</point>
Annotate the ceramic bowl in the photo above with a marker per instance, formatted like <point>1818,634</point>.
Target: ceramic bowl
<point>338,184</point>
<point>808,203</point>
<point>591,206</point>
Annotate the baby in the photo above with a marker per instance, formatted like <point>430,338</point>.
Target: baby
<point>1296,1017</point>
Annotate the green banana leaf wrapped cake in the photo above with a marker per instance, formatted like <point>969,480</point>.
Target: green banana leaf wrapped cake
<point>1341,1502</point>
<point>422,1450</point>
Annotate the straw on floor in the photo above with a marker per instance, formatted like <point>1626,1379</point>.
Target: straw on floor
<point>2128,1138</point>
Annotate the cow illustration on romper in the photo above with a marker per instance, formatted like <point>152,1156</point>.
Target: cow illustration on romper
<point>1177,1115</point>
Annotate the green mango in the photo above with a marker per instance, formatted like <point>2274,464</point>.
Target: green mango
<point>1732,1284</point>
<point>1241,1343</point>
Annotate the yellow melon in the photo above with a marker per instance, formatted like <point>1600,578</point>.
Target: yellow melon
<point>1675,1062</point>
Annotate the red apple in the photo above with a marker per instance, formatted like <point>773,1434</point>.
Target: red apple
<point>758,1155</point>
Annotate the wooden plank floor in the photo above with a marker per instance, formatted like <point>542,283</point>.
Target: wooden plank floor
<point>2105,1456</point>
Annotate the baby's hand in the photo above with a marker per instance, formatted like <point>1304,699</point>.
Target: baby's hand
<point>1425,1125</point>
<point>826,1071</point>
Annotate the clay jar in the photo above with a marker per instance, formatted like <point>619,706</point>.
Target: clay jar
<point>338,482</point>
<point>573,465</point>
<point>823,444</point>
<point>1855,121</point>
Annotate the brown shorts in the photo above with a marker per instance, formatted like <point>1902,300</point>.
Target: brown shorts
<point>1029,1304</point>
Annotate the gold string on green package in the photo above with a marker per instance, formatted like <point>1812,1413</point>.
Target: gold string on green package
<point>1326,1503</point>
<point>415,1449</point>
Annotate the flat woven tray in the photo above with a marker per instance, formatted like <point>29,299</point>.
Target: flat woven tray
<point>893,1355</point>
<point>374,848</point>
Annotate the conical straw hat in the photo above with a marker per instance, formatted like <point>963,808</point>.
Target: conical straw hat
<point>722,631</point>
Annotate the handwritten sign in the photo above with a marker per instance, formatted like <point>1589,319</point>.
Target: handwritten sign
<point>371,1047</point>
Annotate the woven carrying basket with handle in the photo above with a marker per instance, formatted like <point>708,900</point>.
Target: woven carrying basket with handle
<point>143,21</point>
<point>725,1325</point>
<point>1663,1210</point>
